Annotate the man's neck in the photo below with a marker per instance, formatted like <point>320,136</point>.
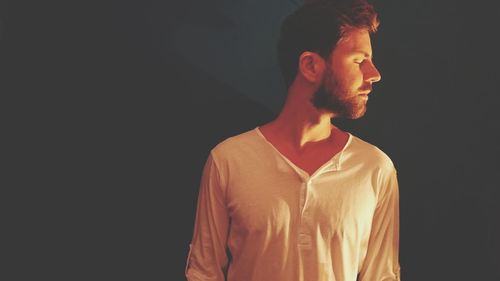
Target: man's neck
<point>301,124</point>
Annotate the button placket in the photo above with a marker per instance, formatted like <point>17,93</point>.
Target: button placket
<point>304,238</point>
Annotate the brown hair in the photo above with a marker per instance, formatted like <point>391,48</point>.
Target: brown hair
<point>317,26</point>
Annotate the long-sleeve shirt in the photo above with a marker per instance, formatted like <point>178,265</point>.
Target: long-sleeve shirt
<point>260,217</point>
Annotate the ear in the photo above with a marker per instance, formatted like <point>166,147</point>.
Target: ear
<point>311,66</point>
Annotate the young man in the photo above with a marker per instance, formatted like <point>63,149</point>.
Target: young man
<point>298,198</point>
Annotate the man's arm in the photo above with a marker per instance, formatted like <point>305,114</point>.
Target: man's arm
<point>382,259</point>
<point>207,259</point>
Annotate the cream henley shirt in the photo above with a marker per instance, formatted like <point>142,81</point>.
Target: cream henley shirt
<point>261,218</point>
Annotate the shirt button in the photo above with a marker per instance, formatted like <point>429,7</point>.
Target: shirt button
<point>304,239</point>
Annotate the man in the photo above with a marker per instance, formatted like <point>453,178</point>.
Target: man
<point>298,198</point>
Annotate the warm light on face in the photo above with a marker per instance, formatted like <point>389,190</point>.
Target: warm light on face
<point>348,78</point>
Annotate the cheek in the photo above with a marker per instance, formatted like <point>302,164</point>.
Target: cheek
<point>350,72</point>
<point>352,79</point>
<point>356,79</point>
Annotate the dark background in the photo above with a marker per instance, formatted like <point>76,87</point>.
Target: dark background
<point>111,107</point>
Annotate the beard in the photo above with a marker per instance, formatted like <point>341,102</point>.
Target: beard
<point>334,96</point>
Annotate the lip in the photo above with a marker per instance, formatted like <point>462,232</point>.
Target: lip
<point>364,96</point>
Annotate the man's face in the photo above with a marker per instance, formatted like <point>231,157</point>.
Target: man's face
<point>349,76</point>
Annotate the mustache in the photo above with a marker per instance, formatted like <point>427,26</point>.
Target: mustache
<point>367,88</point>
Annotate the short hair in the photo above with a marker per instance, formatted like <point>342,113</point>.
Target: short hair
<point>317,26</point>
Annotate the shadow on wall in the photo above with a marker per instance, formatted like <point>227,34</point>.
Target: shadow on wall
<point>116,133</point>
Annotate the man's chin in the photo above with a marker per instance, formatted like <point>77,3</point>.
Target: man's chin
<point>360,113</point>
<point>353,113</point>
<point>357,116</point>
<point>350,109</point>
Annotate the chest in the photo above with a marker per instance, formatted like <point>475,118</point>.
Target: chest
<point>310,162</point>
<point>282,202</point>
<point>313,156</point>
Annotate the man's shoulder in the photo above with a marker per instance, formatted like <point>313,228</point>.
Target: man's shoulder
<point>246,141</point>
<point>370,153</point>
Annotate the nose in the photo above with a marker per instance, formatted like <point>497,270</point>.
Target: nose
<point>372,74</point>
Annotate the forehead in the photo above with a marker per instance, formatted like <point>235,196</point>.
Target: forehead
<point>356,40</point>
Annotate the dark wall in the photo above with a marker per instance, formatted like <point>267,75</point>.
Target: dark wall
<point>113,107</point>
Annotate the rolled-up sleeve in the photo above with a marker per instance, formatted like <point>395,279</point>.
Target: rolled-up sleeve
<point>382,259</point>
<point>207,258</point>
